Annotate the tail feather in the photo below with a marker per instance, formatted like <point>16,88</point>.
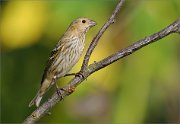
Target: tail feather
<point>44,87</point>
<point>36,100</point>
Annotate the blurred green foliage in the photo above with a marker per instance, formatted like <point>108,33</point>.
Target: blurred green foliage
<point>141,88</point>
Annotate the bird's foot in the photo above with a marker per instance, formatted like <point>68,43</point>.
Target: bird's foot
<point>71,74</point>
<point>79,74</point>
<point>59,91</point>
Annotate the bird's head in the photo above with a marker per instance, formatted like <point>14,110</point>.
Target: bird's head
<point>82,25</point>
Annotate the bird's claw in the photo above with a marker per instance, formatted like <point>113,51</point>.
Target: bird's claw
<point>79,74</point>
<point>71,74</point>
<point>59,92</point>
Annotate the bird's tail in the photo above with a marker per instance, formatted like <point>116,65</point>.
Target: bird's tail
<point>44,87</point>
<point>36,100</point>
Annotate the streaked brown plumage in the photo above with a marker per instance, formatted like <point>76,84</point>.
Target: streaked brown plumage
<point>64,56</point>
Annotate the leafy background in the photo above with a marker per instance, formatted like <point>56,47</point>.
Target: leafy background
<point>141,88</point>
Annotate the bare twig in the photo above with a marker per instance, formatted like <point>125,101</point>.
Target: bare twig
<point>172,28</point>
<point>88,70</point>
<point>95,40</point>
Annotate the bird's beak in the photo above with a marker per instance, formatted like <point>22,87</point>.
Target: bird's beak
<point>92,23</point>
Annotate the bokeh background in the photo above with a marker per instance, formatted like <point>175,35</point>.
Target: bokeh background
<point>141,88</point>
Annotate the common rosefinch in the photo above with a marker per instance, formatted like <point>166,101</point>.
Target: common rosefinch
<point>64,56</point>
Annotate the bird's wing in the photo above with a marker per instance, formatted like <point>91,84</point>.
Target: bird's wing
<point>54,54</point>
<point>60,47</point>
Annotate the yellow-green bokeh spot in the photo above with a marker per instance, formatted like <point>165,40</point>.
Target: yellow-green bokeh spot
<point>22,23</point>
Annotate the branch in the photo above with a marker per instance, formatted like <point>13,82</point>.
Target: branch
<point>95,40</point>
<point>172,28</point>
<point>88,70</point>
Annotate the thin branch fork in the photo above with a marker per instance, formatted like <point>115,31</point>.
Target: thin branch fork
<point>95,40</point>
<point>88,70</point>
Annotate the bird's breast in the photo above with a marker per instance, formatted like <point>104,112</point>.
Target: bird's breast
<point>75,50</point>
<point>70,55</point>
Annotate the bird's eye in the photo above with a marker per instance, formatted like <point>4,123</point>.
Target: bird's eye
<point>83,21</point>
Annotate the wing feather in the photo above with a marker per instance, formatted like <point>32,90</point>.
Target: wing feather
<point>53,55</point>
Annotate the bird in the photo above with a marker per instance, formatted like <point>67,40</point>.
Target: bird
<point>64,56</point>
